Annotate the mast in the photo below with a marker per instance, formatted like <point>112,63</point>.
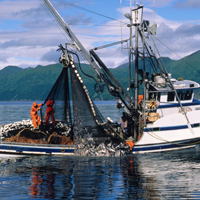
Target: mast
<point>135,18</point>
<point>130,50</point>
<point>137,21</point>
<point>136,66</point>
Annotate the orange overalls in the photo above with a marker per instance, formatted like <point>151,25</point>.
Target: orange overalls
<point>35,118</point>
<point>50,111</point>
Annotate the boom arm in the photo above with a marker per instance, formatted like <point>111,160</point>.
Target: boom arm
<point>71,35</point>
<point>105,75</point>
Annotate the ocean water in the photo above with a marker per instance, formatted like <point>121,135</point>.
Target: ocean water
<point>169,175</point>
<point>16,111</point>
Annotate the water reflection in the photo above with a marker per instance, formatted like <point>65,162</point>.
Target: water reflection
<point>43,185</point>
<point>173,175</point>
<point>153,176</point>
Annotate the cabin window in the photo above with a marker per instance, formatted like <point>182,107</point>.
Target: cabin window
<point>156,129</point>
<point>185,94</point>
<point>152,93</point>
<point>155,95</point>
<point>196,125</point>
<point>188,95</point>
<point>158,97</point>
<point>170,96</point>
<point>151,96</point>
<point>180,95</point>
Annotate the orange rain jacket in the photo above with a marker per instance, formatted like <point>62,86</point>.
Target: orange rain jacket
<point>35,118</point>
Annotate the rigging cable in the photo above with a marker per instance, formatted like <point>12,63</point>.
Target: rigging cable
<point>111,44</point>
<point>97,83</point>
<point>100,87</point>
<point>80,65</point>
<point>63,25</point>
<point>177,54</point>
<point>64,34</point>
<point>162,65</point>
<point>121,23</point>
<point>96,13</point>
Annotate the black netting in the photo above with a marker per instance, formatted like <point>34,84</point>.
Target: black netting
<point>87,118</point>
<point>84,117</point>
<point>60,93</point>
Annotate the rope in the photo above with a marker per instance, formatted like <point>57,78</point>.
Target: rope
<point>81,8</point>
<point>177,55</point>
<point>31,131</point>
<point>88,96</point>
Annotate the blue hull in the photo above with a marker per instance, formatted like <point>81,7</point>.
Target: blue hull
<point>166,146</point>
<point>50,149</point>
<point>36,149</point>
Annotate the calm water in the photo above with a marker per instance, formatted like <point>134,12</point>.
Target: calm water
<point>173,175</point>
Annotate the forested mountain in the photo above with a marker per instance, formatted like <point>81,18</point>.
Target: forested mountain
<point>35,83</point>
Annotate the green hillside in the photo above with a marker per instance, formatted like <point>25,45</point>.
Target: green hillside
<point>28,84</point>
<point>10,70</point>
<point>35,83</point>
<point>187,68</point>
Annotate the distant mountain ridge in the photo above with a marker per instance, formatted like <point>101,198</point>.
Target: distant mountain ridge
<point>10,70</point>
<point>35,83</point>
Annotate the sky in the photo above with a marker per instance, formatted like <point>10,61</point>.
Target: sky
<point>29,36</point>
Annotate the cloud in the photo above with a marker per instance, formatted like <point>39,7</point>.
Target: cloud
<point>179,42</point>
<point>157,3</point>
<point>188,4</point>
<point>15,9</point>
<point>25,43</point>
<point>51,56</point>
<point>29,37</point>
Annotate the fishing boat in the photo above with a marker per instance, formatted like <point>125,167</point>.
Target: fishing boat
<point>161,112</point>
<point>167,111</point>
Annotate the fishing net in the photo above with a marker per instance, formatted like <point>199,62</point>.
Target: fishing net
<point>60,94</point>
<point>37,137</point>
<point>87,117</point>
<point>73,105</point>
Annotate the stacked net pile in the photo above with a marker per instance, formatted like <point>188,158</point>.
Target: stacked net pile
<point>37,137</point>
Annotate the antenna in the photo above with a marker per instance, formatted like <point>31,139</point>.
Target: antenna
<point>154,5</point>
<point>154,16</point>
<point>121,23</point>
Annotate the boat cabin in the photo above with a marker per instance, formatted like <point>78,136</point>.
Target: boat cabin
<point>160,91</point>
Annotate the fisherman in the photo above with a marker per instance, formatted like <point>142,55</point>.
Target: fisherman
<point>35,117</point>
<point>50,111</point>
<point>124,123</point>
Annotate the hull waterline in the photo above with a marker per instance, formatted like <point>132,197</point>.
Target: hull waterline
<point>23,148</point>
